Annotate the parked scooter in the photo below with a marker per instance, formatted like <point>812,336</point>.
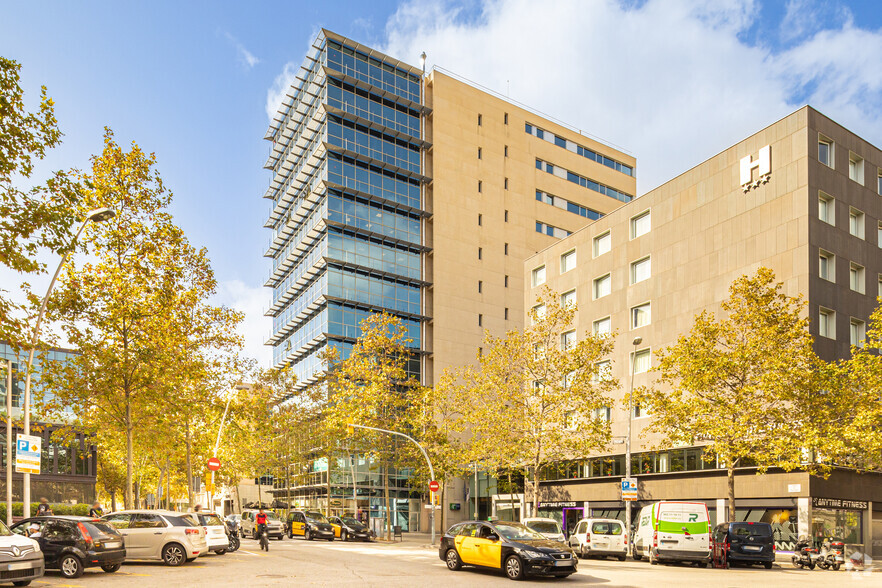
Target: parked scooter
<point>832,554</point>
<point>805,555</point>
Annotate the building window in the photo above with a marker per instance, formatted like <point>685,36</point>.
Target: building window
<point>539,312</point>
<point>826,208</point>
<point>826,323</point>
<point>879,182</point>
<point>856,167</point>
<point>825,151</point>
<point>856,222</point>
<point>480,286</point>
<point>505,216</point>
<point>539,276</point>
<point>826,265</point>
<point>480,253</point>
<point>567,340</point>
<point>641,270</point>
<point>480,120</point>
<point>642,360</point>
<point>506,281</point>
<point>505,118</point>
<point>856,277</point>
<point>506,248</point>
<point>480,320</point>
<point>602,286</point>
<point>640,224</point>
<point>879,234</point>
<point>506,313</point>
<point>602,413</point>
<point>602,326</point>
<point>568,261</point>
<point>879,291</point>
<point>858,332</point>
<point>639,412</point>
<point>480,219</point>
<point>505,184</point>
<point>641,316</point>
<point>505,151</point>
<point>480,186</point>
<point>568,299</point>
<point>479,153</point>
<point>602,244</point>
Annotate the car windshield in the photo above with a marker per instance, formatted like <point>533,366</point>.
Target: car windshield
<point>746,529</point>
<point>316,517</point>
<point>517,532</point>
<point>211,520</point>
<point>4,530</point>
<point>181,521</point>
<point>271,516</point>
<point>544,527</point>
<point>353,523</point>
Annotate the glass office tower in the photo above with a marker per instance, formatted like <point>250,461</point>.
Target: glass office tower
<point>347,194</point>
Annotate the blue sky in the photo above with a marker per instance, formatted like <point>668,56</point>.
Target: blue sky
<point>670,81</point>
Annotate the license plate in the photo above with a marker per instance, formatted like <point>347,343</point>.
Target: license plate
<point>20,566</point>
<point>112,544</point>
<point>563,562</point>
<point>752,548</point>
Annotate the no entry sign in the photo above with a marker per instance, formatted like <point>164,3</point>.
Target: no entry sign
<point>434,486</point>
<point>213,464</point>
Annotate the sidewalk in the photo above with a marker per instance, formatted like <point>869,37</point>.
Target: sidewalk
<point>412,539</point>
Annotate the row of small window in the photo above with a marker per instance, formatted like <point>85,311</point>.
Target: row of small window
<point>827,213</point>
<point>373,217</point>
<point>575,178</point>
<point>373,71</point>
<point>856,164</point>
<point>576,148</point>
<point>857,332</point>
<point>372,107</point>
<point>856,272</point>
<point>674,460</point>
<point>344,321</point>
<point>374,144</point>
<point>481,185</point>
<point>373,254</point>
<point>565,204</point>
<point>373,290</point>
<point>481,218</point>
<point>551,230</point>
<point>640,270</point>
<point>481,120</point>
<point>358,175</point>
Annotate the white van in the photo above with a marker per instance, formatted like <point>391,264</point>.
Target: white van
<point>673,531</point>
<point>602,537</point>
<point>548,528</point>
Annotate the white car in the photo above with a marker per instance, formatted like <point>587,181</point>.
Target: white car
<point>601,537</point>
<point>548,528</point>
<point>215,532</point>
<point>173,537</point>
<point>20,558</point>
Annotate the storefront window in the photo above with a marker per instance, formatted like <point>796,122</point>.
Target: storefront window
<point>841,524</point>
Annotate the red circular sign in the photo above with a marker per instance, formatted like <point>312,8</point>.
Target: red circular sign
<point>213,464</point>
<point>434,486</point>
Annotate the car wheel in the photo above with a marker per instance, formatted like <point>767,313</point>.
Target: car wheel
<point>21,583</point>
<point>622,557</point>
<point>582,553</point>
<point>110,568</point>
<point>343,535</point>
<point>453,561</point>
<point>635,553</point>
<point>768,566</point>
<point>174,555</point>
<point>71,566</point>
<point>221,551</point>
<point>514,568</point>
<point>652,559</point>
<point>307,534</point>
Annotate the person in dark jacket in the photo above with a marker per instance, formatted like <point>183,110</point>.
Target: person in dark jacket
<point>44,510</point>
<point>96,511</point>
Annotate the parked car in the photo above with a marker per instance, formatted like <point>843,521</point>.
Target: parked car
<point>309,525</point>
<point>673,531</point>
<point>350,528</point>
<point>600,537</point>
<point>744,542</point>
<point>549,528</point>
<point>511,547</point>
<point>215,532</point>
<point>248,526</point>
<point>21,559</point>
<point>72,544</point>
<point>173,537</point>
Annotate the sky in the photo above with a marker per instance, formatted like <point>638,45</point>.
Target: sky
<point>672,82</point>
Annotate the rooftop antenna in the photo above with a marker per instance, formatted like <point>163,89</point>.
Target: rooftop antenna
<point>423,63</point>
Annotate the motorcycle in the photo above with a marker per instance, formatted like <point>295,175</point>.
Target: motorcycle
<point>235,542</point>
<point>832,554</point>
<point>805,555</point>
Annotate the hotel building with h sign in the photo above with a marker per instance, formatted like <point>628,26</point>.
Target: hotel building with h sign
<point>801,197</point>
<point>419,195</point>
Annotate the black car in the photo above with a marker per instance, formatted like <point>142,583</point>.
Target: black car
<point>507,546</point>
<point>351,529</point>
<point>72,544</point>
<point>744,542</point>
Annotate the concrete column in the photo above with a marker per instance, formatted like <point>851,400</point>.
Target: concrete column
<point>867,528</point>
<point>586,509</point>
<point>804,516</point>
<point>722,515</point>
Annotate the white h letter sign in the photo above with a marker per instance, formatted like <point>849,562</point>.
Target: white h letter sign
<point>763,165</point>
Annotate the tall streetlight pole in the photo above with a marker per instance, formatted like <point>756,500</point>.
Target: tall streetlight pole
<point>220,430</point>
<point>637,341</point>
<point>426,455</point>
<point>98,215</point>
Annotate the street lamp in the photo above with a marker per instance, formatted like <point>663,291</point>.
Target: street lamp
<point>431,470</point>
<point>98,215</point>
<point>637,341</point>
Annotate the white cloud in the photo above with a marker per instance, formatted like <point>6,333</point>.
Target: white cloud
<point>255,329</point>
<point>671,81</point>
<point>245,56</point>
<point>284,80</point>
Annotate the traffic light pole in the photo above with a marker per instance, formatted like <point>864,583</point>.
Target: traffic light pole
<point>428,461</point>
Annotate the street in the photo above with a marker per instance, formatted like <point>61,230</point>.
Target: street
<point>413,563</point>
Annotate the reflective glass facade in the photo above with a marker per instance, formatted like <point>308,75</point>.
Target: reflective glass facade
<point>346,203</point>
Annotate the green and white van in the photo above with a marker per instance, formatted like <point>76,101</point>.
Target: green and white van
<point>673,531</point>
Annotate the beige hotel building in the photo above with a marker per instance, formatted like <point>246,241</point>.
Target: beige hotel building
<point>801,197</point>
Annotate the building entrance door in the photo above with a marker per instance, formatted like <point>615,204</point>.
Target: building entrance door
<point>571,516</point>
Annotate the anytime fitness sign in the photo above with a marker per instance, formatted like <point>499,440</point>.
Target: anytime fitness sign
<point>839,503</point>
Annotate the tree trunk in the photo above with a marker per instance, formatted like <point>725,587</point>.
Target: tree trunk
<point>130,450</point>
<point>113,501</point>
<point>189,469</point>
<point>730,475</point>
<point>511,497</point>
<point>168,503</point>
<point>386,498</point>
<point>328,487</point>
<point>159,488</point>
<point>535,511</point>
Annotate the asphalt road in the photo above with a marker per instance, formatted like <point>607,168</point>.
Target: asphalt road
<point>412,563</point>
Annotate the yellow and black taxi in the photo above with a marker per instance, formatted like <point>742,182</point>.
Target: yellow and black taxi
<point>511,547</point>
<point>309,525</point>
<point>348,528</point>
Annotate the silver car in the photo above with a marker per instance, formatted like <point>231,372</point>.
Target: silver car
<point>248,526</point>
<point>172,537</point>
